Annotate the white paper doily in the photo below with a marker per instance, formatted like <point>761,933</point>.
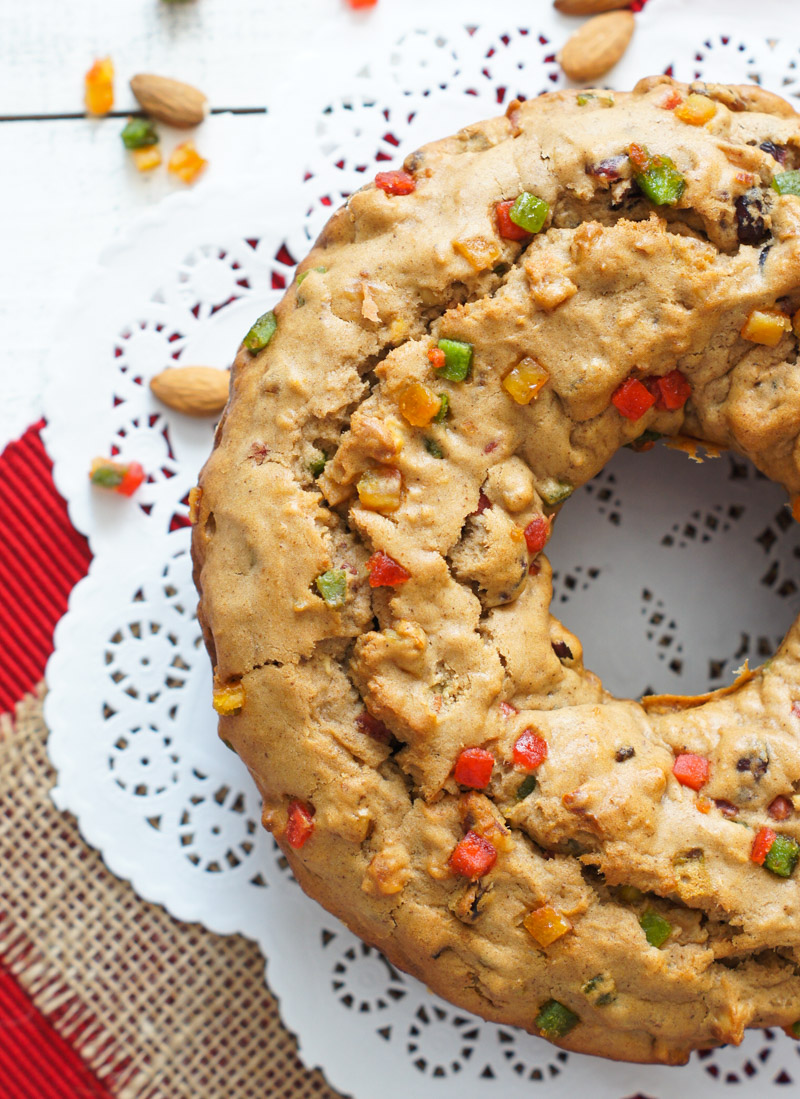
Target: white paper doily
<point>133,736</point>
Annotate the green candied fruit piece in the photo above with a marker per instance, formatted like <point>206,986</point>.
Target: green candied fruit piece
<point>457,360</point>
<point>787,183</point>
<point>589,97</point>
<point>555,492</point>
<point>317,465</point>
<point>794,1029</point>
<point>262,332</point>
<point>555,1021</point>
<point>304,274</point>
<point>138,133</point>
<point>106,477</point>
<point>444,409</point>
<point>656,929</point>
<point>645,440</point>
<point>433,448</point>
<point>661,181</point>
<point>332,586</point>
<point>527,786</point>
<point>600,989</point>
<point>630,894</point>
<point>782,856</point>
<point>529,212</point>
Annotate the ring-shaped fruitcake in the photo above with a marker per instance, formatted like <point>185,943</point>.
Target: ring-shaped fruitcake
<point>472,338</point>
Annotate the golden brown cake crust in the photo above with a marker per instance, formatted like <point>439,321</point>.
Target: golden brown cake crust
<point>465,653</point>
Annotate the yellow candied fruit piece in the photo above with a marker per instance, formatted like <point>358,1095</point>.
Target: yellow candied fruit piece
<point>418,404</point>
<point>546,925</point>
<point>99,87</point>
<point>185,162</point>
<point>147,158</point>
<point>697,110</point>
<point>478,251</point>
<point>195,496</point>
<point>766,326</point>
<point>525,381</point>
<point>379,489</point>
<point>229,699</point>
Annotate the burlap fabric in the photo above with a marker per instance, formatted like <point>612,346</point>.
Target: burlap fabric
<point>158,1009</point>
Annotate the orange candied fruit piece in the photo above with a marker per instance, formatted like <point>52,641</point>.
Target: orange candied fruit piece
<point>186,163</point>
<point>546,925</point>
<point>524,382</point>
<point>147,158</point>
<point>765,838</point>
<point>418,403</point>
<point>766,326</point>
<point>396,183</point>
<point>479,252</point>
<point>195,496</point>
<point>99,87</point>
<point>697,110</point>
<point>358,4</point>
<point>796,508</point>
<point>672,100</point>
<point>691,770</point>
<point>228,698</point>
<point>380,489</point>
<point>300,825</point>
<point>438,359</point>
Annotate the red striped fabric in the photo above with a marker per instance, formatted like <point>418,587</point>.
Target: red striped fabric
<point>42,557</point>
<point>35,1062</point>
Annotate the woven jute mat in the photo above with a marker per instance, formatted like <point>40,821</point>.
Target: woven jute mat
<point>158,1009</point>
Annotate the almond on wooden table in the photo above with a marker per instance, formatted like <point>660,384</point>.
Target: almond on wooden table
<point>588,7</point>
<point>597,46</point>
<point>169,100</point>
<point>193,390</point>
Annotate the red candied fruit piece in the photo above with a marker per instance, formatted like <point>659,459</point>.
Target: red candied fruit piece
<point>536,534</point>
<point>673,391</point>
<point>691,770</point>
<point>796,709</point>
<point>761,845</point>
<point>671,101</point>
<point>472,857</point>
<point>507,710</point>
<point>131,479</point>
<point>474,768</point>
<point>300,825</point>
<point>370,725</point>
<point>530,750</point>
<point>385,572</point>
<point>483,503</point>
<point>508,229</point>
<point>396,183</point>
<point>632,399</point>
<point>780,808</point>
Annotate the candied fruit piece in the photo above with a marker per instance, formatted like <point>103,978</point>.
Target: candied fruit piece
<point>380,489</point>
<point>419,404</point>
<point>766,326</point>
<point>186,163</point>
<point>99,87</point>
<point>525,380</point>
<point>546,925</point>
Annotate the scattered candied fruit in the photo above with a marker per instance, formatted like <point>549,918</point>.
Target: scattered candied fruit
<point>525,381</point>
<point>546,925</point>
<point>632,399</point>
<point>766,326</point>
<point>474,768</point>
<point>555,1020</point>
<point>138,133</point>
<point>479,252</point>
<point>656,929</point>
<point>120,477</point>
<point>782,856</point>
<point>262,332</point>
<point>507,229</point>
<point>229,698</point>
<point>673,391</point>
<point>787,183</point>
<point>530,750</point>
<point>472,857</point>
<point>764,840</point>
<point>697,110</point>
<point>99,87</point>
<point>146,158</point>
<point>396,183</point>
<point>529,212</point>
<point>380,489</point>
<point>385,572</point>
<point>691,770</point>
<point>300,825</point>
<point>657,177</point>
<point>537,533</point>
<point>419,404</point>
<point>457,360</point>
<point>186,163</point>
<point>332,586</point>
<point>195,497</point>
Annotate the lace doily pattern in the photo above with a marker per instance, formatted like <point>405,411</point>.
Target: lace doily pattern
<point>133,735</point>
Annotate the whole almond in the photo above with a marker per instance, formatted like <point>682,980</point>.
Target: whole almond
<point>588,7</point>
<point>170,101</point>
<point>597,46</point>
<point>193,390</point>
